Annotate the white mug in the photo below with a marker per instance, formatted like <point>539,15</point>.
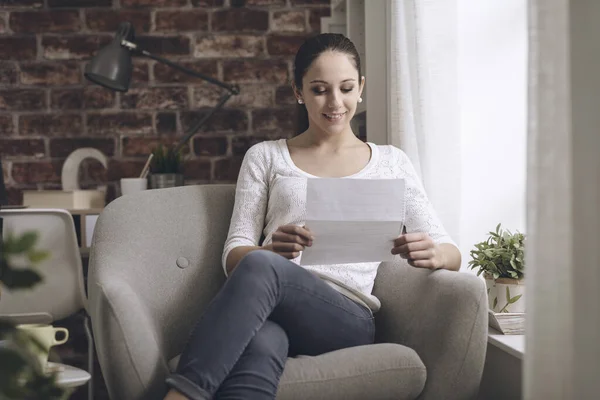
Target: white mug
<point>133,185</point>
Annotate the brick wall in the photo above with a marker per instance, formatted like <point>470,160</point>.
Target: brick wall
<point>48,109</point>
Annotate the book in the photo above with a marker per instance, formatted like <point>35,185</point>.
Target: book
<point>75,199</point>
<point>507,323</point>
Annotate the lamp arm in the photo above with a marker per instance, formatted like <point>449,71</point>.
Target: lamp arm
<point>231,89</point>
<point>135,49</point>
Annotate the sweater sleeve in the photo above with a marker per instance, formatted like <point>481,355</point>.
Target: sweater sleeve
<point>420,214</point>
<point>251,197</point>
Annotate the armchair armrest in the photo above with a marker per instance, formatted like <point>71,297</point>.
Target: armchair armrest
<point>126,338</point>
<point>442,315</point>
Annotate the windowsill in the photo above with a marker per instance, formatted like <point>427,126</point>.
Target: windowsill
<point>512,344</point>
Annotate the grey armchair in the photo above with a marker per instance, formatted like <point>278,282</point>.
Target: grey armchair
<point>155,265</point>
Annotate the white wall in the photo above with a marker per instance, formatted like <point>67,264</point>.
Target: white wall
<point>492,63</point>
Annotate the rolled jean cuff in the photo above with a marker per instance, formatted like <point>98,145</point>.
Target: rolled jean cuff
<point>187,387</point>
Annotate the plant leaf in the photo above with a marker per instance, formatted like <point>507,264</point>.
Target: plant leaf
<point>514,299</point>
<point>20,278</point>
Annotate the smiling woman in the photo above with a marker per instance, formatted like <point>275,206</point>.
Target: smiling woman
<point>283,308</point>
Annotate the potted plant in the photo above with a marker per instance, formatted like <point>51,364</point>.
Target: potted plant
<point>166,168</point>
<point>501,259</point>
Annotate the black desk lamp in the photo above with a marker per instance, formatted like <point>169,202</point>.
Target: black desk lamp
<point>111,67</point>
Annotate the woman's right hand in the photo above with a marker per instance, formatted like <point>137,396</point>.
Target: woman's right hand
<point>290,240</point>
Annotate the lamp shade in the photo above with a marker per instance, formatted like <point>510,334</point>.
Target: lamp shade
<point>111,67</point>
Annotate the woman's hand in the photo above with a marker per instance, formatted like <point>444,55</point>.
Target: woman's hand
<point>420,250</point>
<point>290,240</point>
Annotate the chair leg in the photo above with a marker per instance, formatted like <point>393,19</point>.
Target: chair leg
<point>90,340</point>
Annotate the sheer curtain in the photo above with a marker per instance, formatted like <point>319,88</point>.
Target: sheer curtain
<point>424,110</point>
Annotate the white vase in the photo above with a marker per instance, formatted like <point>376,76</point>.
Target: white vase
<point>506,295</point>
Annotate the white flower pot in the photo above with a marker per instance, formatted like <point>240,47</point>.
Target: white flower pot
<point>506,295</point>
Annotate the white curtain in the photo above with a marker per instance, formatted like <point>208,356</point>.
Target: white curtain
<point>424,111</point>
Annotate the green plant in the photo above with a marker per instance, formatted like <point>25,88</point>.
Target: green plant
<point>166,160</point>
<point>501,255</point>
<point>20,374</point>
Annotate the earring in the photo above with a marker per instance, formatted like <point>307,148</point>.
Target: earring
<point>300,101</point>
<point>360,99</point>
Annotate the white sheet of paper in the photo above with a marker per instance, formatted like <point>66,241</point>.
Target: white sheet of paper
<point>353,220</point>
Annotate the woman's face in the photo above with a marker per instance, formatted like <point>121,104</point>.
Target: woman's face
<point>330,90</point>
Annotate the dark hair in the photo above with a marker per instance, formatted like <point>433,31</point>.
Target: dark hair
<point>308,52</point>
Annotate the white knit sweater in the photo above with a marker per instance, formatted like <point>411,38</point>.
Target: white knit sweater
<point>271,192</point>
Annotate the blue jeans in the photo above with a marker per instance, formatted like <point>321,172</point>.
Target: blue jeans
<point>269,308</point>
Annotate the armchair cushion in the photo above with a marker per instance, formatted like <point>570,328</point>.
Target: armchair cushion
<point>385,371</point>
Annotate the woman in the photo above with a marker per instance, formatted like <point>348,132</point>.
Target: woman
<point>270,307</point>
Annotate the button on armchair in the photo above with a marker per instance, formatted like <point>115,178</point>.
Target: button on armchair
<point>155,264</point>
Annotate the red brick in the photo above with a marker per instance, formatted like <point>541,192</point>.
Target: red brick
<point>87,98</point>
<point>99,20</point>
<point>229,46</point>
<point>18,48</point>
<point>208,95</point>
<point>45,21</point>
<point>284,95</point>
<point>139,146</point>
<point>284,45</point>
<point>166,46</point>
<point>93,171</point>
<point>207,3</point>
<point>310,2</point>
<point>314,18</point>
<point>210,146</point>
<point>166,74</point>
<point>155,98</point>
<point>22,147</point>
<point>228,169</point>
<point>166,123</point>
<point>3,23</point>
<point>251,96</point>
<point>15,196</point>
<point>22,99</point>
<point>6,125</point>
<point>51,125</point>
<point>281,119</point>
<point>197,169</point>
<point>265,2</point>
<point>36,172</point>
<point>289,21</point>
<point>184,20</point>
<point>140,74</point>
<point>116,123</point>
<point>240,19</point>
<point>22,3</point>
<point>72,47</point>
<point>8,74</point>
<point>6,165</point>
<point>253,71</point>
<point>79,3</point>
<point>153,3</point>
<point>62,147</point>
<point>50,74</point>
<point>224,120</point>
<point>118,169</point>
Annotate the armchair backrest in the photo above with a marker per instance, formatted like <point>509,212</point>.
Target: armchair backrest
<point>156,256</point>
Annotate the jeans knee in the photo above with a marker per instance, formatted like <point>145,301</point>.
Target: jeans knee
<point>270,342</point>
<point>257,263</point>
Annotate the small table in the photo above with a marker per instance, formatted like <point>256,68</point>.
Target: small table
<point>68,376</point>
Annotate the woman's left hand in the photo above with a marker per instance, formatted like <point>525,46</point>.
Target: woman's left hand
<point>419,249</point>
